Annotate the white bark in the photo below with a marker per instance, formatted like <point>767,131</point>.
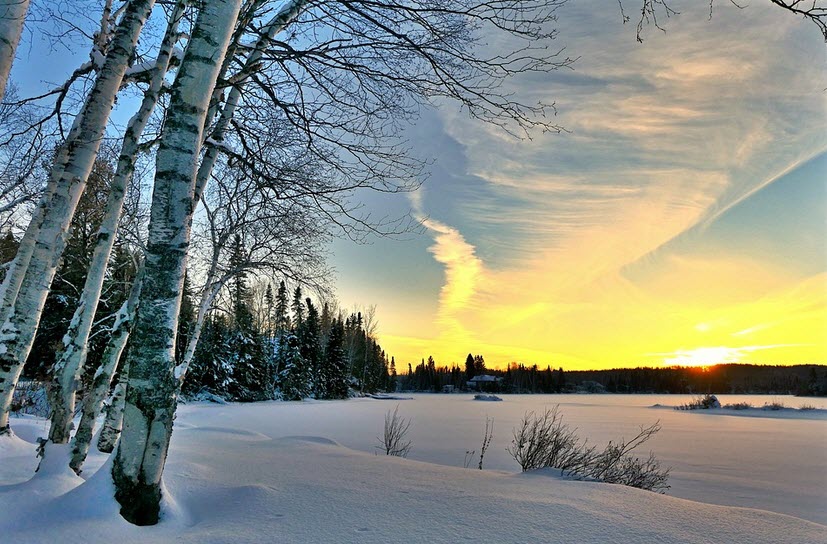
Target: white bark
<point>113,422</point>
<point>152,387</point>
<point>93,401</point>
<point>210,292</point>
<point>12,16</point>
<point>73,350</point>
<point>18,329</point>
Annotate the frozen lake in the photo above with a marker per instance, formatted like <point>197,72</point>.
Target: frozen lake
<point>775,461</point>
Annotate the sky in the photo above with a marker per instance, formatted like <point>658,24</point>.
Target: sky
<point>681,218</point>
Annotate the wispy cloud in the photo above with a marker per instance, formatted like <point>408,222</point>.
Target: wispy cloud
<point>566,247</point>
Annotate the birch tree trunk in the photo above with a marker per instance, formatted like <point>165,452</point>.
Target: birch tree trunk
<point>73,350</point>
<point>20,325</point>
<point>113,422</point>
<point>93,401</point>
<point>12,17</point>
<point>152,387</point>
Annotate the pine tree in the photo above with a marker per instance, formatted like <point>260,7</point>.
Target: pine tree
<point>294,376</point>
<point>335,363</point>
<point>298,309</point>
<point>282,318</point>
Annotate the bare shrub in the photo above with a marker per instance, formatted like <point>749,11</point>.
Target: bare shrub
<point>738,406</point>
<point>486,439</point>
<point>807,407</point>
<point>775,405</point>
<point>394,440</point>
<point>544,440</point>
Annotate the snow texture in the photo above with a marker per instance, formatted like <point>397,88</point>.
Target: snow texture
<point>285,472</point>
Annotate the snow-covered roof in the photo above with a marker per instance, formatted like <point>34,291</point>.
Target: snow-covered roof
<point>485,378</point>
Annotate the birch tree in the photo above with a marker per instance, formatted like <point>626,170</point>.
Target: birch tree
<point>102,380</point>
<point>73,349</point>
<point>12,17</point>
<point>45,238</point>
<point>152,386</point>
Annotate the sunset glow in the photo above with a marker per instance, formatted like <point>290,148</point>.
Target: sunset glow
<point>681,219</point>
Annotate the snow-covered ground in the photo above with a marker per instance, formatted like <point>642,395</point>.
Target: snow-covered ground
<point>307,472</point>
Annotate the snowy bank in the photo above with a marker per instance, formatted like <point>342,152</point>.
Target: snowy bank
<point>231,478</point>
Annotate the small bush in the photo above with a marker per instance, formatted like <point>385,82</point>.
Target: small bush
<point>545,441</point>
<point>738,406</point>
<point>393,441</point>
<point>775,405</point>
<point>807,407</point>
<point>701,403</point>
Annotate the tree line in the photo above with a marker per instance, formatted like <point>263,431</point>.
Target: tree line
<point>803,380</point>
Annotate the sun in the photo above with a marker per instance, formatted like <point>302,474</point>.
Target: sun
<point>704,357</point>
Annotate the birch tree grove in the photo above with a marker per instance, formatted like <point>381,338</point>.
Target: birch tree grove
<point>68,176</point>
<point>73,349</point>
<point>152,387</point>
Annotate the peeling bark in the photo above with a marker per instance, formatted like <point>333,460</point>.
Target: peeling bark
<point>152,387</point>
<point>113,421</point>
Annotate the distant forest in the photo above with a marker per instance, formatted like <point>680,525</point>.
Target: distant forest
<point>804,380</point>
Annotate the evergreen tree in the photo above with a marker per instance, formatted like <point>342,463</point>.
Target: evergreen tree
<point>298,309</point>
<point>282,318</point>
<point>239,290</point>
<point>470,368</point>
<point>310,347</point>
<point>335,363</point>
<point>294,375</point>
<point>393,378</point>
<point>479,365</point>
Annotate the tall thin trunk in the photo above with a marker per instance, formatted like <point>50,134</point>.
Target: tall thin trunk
<point>113,422</point>
<point>152,388</point>
<point>73,350</point>
<point>18,329</point>
<point>12,17</point>
<point>211,289</point>
<point>93,401</point>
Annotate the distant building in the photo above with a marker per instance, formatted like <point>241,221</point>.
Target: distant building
<point>484,382</point>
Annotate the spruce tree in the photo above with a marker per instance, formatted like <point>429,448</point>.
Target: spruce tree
<point>294,376</point>
<point>310,347</point>
<point>335,363</point>
<point>298,309</point>
<point>470,367</point>
<point>282,318</point>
